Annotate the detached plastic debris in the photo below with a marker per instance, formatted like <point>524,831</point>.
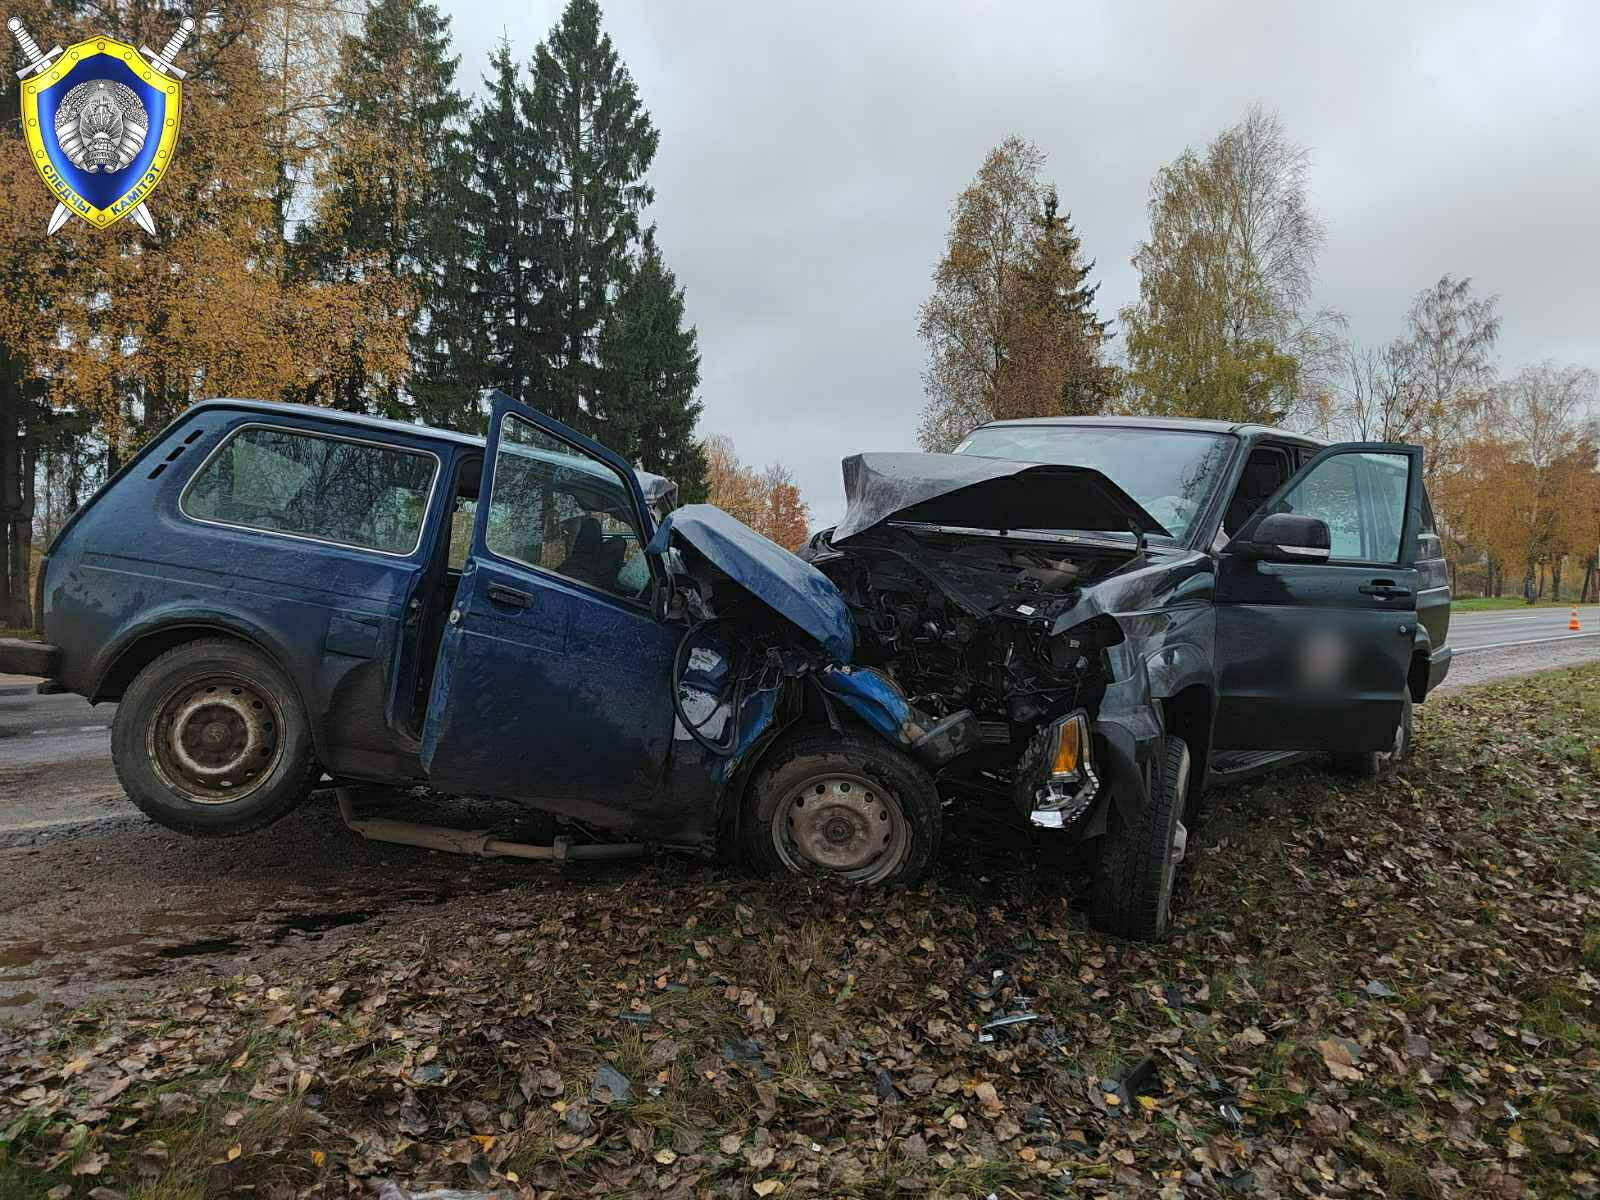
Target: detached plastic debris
<point>393,1191</point>
<point>986,1030</point>
<point>610,1085</point>
<point>1381,990</point>
<point>1142,1079</point>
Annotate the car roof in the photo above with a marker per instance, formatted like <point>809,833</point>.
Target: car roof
<point>353,421</point>
<point>1188,424</point>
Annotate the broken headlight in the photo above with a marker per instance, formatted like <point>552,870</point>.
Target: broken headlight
<point>1069,784</point>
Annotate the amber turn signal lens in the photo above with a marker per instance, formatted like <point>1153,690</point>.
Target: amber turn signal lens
<point>1068,749</point>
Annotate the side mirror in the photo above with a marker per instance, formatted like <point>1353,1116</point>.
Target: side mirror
<point>1286,537</point>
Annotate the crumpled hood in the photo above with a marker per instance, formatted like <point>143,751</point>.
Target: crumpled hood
<point>795,590</point>
<point>983,493</point>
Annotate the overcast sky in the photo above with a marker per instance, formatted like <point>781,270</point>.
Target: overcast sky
<point>810,153</point>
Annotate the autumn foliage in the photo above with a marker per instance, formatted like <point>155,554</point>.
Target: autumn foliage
<point>768,501</point>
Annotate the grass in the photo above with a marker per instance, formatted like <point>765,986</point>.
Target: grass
<point>1371,987</point>
<point>1496,603</point>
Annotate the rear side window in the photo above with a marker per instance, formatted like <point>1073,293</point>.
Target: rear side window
<point>311,486</point>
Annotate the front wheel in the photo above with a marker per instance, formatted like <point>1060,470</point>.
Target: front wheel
<point>843,806</point>
<point>211,739</point>
<point>1139,861</point>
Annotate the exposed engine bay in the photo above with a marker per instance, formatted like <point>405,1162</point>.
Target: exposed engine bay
<point>965,623</point>
<point>946,583</point>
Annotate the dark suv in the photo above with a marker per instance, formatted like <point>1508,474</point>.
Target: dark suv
<point>1072,623</point>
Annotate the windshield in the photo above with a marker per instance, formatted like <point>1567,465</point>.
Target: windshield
<point>1169,472</point>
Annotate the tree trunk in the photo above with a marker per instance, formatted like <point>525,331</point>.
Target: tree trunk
<point>10,500</point>
<point>16,504</point>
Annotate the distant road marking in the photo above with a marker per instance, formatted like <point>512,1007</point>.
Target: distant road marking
<point>1567,637</point>
<point>1490,617</point>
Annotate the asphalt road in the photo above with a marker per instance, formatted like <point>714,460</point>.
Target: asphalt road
<point>55,751</point>
<point>1509,628</point>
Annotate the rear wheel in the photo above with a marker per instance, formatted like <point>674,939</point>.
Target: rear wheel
<point>211,739</point>
<point>1138,864</point>
<point>1378,764</point>
<point>848,807</point>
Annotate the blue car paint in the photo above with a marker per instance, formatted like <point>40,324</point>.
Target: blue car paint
<point>876,699</point>
<point>131,566</point>
<point>793,589</point>
<point>566,704</point>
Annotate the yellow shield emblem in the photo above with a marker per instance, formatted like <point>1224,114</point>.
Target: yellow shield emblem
<point>101,122</point>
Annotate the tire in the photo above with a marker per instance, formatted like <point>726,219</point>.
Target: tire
<point>1380,764</point>
<point>874,819</point>
<point>211,740</point>
<point>1132,894</point>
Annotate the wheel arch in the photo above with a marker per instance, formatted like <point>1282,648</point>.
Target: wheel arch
<point>142,645</point>
<point>1188,715</point>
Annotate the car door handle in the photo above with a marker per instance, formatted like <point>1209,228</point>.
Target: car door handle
<point>501,594</point>
<point>1384,590</point>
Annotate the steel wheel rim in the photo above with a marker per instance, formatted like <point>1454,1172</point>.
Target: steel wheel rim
<point>841,825</point>
<point>216,740</point>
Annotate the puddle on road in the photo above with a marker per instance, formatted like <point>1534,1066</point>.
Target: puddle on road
<point>76,963</point>
<point>310,923</point>
<point>202,947</point>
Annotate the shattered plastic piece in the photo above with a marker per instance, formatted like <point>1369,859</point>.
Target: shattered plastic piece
<point>1231,1115</point>
<point>610,1085</point>
<point>1240,1181</point>
<point>578,1120</point>
<point>1014,1019</point>
<point>742,1050</point>
<point>1380,990</point>
<point>393,1191</point>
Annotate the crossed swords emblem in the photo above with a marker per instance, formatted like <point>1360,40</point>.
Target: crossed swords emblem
<point>41,61</point>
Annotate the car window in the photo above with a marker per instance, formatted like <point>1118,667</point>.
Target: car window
<point>1362,497</point>
<point>315,486</point>
<point>556,508</point>
<point>1265,471</point>
<point>1386,479</point>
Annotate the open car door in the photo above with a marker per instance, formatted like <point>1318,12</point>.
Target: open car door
<point>554,675</point>
<point>1314,642</point>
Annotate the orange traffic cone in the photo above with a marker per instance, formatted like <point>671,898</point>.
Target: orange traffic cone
<point>1573,624</point>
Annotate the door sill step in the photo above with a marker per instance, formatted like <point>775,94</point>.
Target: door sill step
<point>1235,764</point>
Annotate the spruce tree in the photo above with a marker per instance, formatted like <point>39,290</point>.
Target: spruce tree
<point>649,363</point>
<point>481,332</point>
<point>1055,362</point>
<point>596,142</point>
<point>393,130</point>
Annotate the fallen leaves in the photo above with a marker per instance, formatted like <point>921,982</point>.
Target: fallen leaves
<point>1337,1058</point>
<point>1369,989</point>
